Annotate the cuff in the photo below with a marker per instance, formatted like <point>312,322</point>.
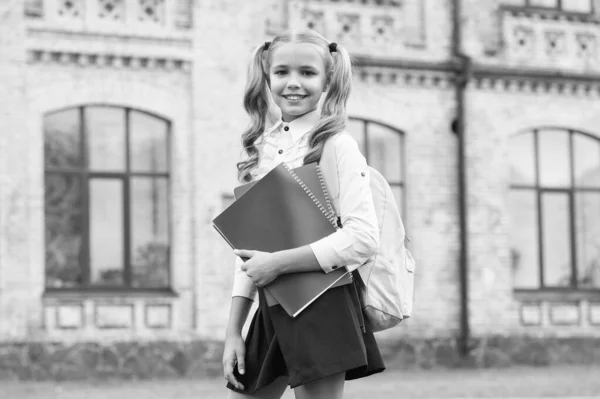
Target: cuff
<point>328,258</point>
<point>244,286</point>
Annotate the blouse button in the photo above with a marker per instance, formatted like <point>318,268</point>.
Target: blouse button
<point>286,128</point>
<point>362,174</point>
<point>280,151</point>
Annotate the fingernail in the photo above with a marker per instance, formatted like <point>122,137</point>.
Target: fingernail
<point>241,371</point>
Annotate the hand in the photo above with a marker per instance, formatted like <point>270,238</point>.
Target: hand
<point>260,266</point>
<point>234,353</point>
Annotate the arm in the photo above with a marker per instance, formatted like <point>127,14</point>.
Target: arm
<point>235,349</point>
<point>351,245</point>
<point>263,267</point>
<point>358,240</point>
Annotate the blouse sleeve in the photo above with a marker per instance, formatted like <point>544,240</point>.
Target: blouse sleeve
<point>358,240</point>
<point>242,284</point>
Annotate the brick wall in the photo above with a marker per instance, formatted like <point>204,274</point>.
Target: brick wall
<point>200,91</point>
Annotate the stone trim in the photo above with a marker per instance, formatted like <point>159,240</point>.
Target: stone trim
<point>532,85</point>
<point>200,358</point>
<point>116,61</point>
<point>405,77</point>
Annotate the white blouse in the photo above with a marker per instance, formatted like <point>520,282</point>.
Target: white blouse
<point>349,246</point>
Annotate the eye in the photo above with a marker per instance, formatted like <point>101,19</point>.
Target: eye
<point>309,73</point>
<point>280,72</point>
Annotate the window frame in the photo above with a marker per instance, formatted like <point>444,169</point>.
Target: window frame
<point>365,132</point>
<point>86,175</point>
<point>570,191</point>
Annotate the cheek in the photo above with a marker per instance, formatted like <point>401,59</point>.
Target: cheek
<point>276,85</point>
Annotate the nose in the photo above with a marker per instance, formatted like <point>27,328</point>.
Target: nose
<point>293,83</point>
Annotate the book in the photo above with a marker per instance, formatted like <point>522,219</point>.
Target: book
<point>277,213</point>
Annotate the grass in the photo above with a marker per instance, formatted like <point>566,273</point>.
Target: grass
<point>554,382</point>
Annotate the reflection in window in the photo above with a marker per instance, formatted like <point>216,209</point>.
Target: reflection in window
<point>383,147</point>
<point>106,198</point>
<point>555,209</point>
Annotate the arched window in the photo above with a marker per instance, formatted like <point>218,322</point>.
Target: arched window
<point>383,147</point>
<point>555,209</point>
<point>106,198</point>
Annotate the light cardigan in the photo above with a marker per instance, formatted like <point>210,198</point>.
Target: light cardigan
<point>358,240</point>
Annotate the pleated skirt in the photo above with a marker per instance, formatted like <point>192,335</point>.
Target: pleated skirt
<point>329,337</point>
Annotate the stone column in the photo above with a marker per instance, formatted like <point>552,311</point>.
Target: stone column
<point>21,282</point>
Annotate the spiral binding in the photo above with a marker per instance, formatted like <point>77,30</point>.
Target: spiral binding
<point>329,215</point>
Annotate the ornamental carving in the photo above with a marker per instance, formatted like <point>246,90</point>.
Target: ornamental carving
<point>365,27</point>
<point>542,42</point>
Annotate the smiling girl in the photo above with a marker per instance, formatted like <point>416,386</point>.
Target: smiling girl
<point>331,341</point>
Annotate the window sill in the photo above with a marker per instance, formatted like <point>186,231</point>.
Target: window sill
<point>531,295</point>
<point>101,293</point>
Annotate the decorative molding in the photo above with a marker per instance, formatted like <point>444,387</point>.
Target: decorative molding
<point>89,15</point>
<point>34,8</point>
<point>555,41</point>
<point>69,316</point>
<point>366,27</point>
<point>594,313</point>
<point>116,61</point>
<point>531,314</point>
<point>549,14</point>
<point>565,314</point>
<point>531,85</point>
<point>158,315</point>
<point>109,316</point>
<point>405,77</point>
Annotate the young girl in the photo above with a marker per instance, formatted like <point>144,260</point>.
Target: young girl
<point>330,341</point>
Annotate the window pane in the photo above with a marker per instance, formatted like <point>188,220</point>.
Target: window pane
<point>357,130</point>
<point>105,134</point>
<point>106,231</point>
<point>62,207</point>
<point>586,154</point>
<point>524,242</point>
<point>544,3</point>
<point>555,169</point>
<point>577,5</point>
<point>557,239</point>
<point>522,159</point>
<point>149,232</point>
<point>62,139</point>
<point>148,143</point>
<point>385,151</point>
<point>587,208</point>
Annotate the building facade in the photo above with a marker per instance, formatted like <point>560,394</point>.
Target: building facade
<point>121,123</point>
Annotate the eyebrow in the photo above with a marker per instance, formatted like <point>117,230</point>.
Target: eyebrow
<point>301,66</point>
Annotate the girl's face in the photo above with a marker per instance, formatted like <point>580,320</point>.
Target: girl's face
<point>297,79</point>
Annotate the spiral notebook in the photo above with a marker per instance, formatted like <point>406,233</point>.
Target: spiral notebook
<point>283,210</point>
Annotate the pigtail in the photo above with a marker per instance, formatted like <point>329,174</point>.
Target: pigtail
<point>333,111</point>
<point>256,104</point>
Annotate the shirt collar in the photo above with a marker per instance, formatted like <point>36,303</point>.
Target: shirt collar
<point>300,126</point>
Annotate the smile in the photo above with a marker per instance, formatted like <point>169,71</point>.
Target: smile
<point>294,97</point>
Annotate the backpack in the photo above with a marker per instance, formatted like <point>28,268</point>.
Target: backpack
<point>388,276</point>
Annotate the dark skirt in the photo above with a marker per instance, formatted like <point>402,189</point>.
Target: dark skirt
<point>327,338</point>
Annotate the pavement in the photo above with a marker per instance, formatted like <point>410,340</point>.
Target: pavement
<point>566,382</point>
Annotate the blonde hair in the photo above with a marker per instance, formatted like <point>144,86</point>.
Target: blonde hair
<point>257,97</point>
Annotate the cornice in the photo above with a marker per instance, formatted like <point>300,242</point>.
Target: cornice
<point>107,60</point>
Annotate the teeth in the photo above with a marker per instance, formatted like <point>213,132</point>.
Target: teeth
<point>293,97</point>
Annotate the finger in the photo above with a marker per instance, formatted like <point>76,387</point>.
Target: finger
<point>244,267</point>
<point>241,363</point>
<point>230,377</point>
<point>243,253</point>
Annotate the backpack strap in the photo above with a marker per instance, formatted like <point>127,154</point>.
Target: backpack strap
<point>329,169</point>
